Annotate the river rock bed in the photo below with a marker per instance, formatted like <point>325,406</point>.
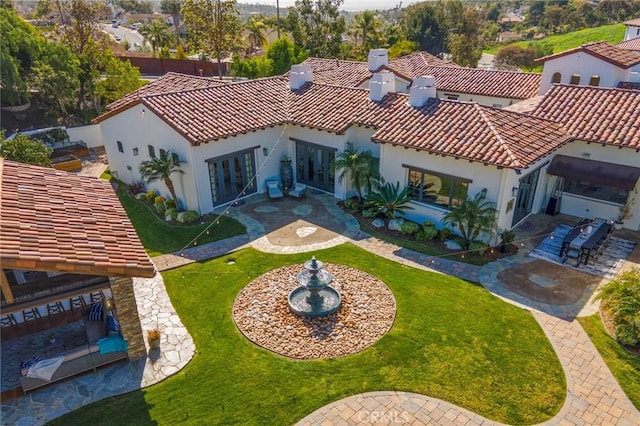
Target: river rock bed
<point>262,314</point>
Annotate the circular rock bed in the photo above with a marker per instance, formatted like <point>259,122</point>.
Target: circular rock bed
<point>368,310</point>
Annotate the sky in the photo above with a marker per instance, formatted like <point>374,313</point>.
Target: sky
<point>351,5</point>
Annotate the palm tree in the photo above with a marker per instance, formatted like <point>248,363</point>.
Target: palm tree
<point>161,168</point>
<point>359,165</point>
<point>155,34</point>
<point>256,36</point>
<point>473,217</point>
<point>390,200</point>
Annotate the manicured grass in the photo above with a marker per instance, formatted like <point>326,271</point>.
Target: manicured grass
<point>450,340</point>
<point>624,366</point>
<point>159,237</point>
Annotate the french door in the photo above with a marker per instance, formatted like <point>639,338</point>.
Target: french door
<point>314,164</point>
<point>232,175</point>
<point>526,194</point>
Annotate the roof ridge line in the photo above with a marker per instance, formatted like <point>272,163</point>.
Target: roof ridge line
<point>502,142</point>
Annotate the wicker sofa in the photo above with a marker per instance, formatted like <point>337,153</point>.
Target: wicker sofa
<point>78,360</point>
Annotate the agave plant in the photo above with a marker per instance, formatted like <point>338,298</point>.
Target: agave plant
<point>473,217</point>
<point>390,200</point>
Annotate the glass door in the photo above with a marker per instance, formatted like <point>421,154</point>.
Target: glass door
<point>314,165</point>
<point>231,176</point>
<point>526,195</point>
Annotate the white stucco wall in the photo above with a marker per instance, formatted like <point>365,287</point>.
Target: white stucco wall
<point>586,66</point>
<point>632,32</point>
<point>136,129</point>
<point>481,176</point>
<point>91,135</point>
<point>587,207</point>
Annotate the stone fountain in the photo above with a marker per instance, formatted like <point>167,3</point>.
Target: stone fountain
<point>314,297</point>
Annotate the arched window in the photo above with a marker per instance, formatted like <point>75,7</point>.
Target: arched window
<point>575,79</point>
<point>595,80</point>
<point>557,77</point>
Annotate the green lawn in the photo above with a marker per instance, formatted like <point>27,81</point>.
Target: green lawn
<point>159,237</point>
<point>450,340</point>
<point>624,366</point>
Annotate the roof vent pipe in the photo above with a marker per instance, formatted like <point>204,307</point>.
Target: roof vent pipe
<point>380,84</point>
<point>421,90</point>
<point>377,59</point>
<point>299,75</point>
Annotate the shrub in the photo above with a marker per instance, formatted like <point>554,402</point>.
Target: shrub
<point>151,195</point>
<point>420,235</point>
<point>479,247</point>
<point>428,223</point>
<point>171,213</point>
<point>390,200</point>
<point>159,199</point>
<point>622,299</point>
<point>369,214</point>
<point>352,204</point>
<point>141,196</point>
<point>170,204</point>
<point>445,234</point>
<point>409,227</point>
<point>430,232</point>
<point>190,216</point>
<point>136,187</point>
<point>160,208</point>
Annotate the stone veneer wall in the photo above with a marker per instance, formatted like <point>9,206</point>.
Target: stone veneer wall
<point>125,303</point>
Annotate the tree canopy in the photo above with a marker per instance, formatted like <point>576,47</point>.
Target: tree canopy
<point>23,149</point>
<point>317,27</point>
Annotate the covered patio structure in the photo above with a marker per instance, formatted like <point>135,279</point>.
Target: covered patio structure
<point>65,242</point>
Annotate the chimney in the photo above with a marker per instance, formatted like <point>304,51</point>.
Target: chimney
<point>377,59</point>
<point>300,74</point>
<point>421,90</point>
<point>380,84</point>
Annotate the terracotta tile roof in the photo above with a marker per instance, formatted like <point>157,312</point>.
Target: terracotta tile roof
<point>470,131</point>
<point>474,81</point>
<point>595,114</point>
<point>169,83</point>
<point>415,65</point>
<point>631,44</point>
<point>633,22</point>
<point>222,111</point>
<point>59,221</point>
<point>629,85</point>
<point>340,73</point>
<point>613,54</point>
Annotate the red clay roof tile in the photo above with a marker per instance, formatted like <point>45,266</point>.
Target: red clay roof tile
<point>613,54</point>
<point>66,221</point>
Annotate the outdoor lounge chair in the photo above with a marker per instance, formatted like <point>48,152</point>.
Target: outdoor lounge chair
<point>273,189</point>
<point>299,190</point>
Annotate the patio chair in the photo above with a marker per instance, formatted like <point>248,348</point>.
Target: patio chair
<point>273,189</point>
<point>299,190</point>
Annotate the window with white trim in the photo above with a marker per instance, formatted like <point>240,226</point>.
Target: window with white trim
<point>436,188</point>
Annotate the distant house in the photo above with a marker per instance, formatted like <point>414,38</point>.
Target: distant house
<point>633,29</point>
<point>596,64</point>
<point>444,148</point>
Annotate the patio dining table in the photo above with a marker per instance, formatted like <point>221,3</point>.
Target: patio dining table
<point>585,240</point>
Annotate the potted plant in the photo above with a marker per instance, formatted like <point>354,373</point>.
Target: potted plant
<point>153,337</point>
<point>506,238</point>
<point>52,338</point>
<point>625,213</point>
<point>286,173</point>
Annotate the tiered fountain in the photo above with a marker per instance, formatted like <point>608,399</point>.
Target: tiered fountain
<point>314,297</point>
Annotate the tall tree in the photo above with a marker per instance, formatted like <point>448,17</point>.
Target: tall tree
<point>173,8</point>
<point>120,78</point>
<point>368,25</point>
<point>156,34</point>
<point>161,168</point>
<point>283,54</point>
<point>426,24</point>
<point>317,26</point>
<point>55,77</point>
<point>23,149</point>
<point>214,26</point>
<point>465,41</point>
<point>86,40</point>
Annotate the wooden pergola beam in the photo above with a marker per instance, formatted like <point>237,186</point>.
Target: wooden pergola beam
<point>6,288</point>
